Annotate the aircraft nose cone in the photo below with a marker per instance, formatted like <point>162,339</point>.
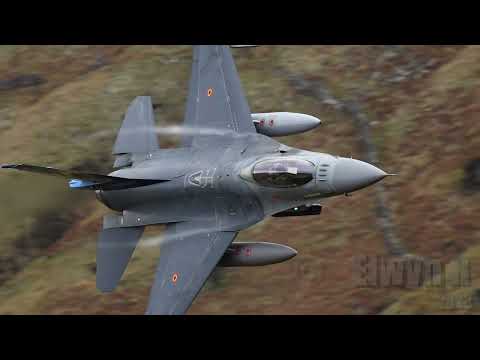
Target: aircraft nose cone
<point>351,175</point>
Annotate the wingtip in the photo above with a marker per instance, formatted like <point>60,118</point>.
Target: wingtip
<point>7,166</point>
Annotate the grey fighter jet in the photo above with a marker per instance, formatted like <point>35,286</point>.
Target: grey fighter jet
<point>226,177</point>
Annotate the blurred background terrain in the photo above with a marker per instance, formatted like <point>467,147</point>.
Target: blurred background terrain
<point>412,110</point>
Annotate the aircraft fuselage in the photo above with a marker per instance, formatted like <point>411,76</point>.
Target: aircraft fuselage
<point>258,175</point>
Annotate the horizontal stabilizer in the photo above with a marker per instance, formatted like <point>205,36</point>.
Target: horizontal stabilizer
<point>137,134</point>
<point>79,180</point>
<point>114,250</point>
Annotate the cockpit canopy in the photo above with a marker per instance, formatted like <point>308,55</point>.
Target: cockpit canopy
<point>283,173</point>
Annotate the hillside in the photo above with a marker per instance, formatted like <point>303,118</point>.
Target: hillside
<point>412,107</point>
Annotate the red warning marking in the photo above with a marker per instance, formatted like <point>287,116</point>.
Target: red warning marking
<point>248,251</point>
<point>210,92</point>
<point>271,122</point>
<point>262,122</point>
<point>174,278</point>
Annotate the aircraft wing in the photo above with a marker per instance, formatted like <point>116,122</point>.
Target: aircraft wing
<point>216,103</point>
<point>188,256</point>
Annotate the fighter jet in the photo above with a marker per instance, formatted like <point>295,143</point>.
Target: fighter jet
<point>228,175</point>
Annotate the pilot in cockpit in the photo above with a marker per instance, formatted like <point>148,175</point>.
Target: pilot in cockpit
<point>283,173</point>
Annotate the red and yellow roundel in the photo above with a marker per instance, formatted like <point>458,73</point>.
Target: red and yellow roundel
<point>174,278</point>
<point>210,92</point>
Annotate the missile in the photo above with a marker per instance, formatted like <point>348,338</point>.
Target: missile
<point>284,123</point>
<point>243,254</point>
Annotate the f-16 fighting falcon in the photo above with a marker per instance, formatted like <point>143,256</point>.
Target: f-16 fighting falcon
<point>228,175</point>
